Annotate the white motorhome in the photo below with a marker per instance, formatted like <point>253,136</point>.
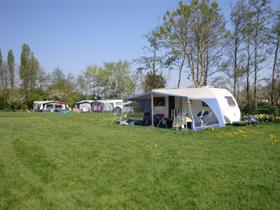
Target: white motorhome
<point>205,106</point>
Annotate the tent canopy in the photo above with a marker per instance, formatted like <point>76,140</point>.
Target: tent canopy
<point>190,93</point>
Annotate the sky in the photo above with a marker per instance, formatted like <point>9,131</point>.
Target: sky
<point>74,34</point>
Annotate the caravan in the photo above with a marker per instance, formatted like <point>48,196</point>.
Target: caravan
<point>201,107</point>
<point>50,106</point>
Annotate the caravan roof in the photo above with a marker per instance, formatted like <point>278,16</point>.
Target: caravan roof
<point>191,93</point>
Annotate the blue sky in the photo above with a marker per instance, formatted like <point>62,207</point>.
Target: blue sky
<point>74,34</point>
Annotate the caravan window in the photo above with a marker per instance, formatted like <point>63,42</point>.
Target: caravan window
<point>230,101</point>
<point>159,101</point>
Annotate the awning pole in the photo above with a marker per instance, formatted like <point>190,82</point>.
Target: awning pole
<point>152,108</point>
<point>191,114</point>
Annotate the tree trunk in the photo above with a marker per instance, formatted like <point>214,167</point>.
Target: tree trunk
<point>154,62</point>
<point>235,65</point>
<point>180,72</point>
<point>256,35</point>
<point>248,72</point>
<point>273,70</point>
<point>206,68</point>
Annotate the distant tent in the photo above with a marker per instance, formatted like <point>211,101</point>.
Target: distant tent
<point>85,105</point>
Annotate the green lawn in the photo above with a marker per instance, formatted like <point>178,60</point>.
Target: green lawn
<point>85,161</point>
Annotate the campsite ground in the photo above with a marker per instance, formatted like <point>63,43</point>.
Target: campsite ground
<point>79,161</point>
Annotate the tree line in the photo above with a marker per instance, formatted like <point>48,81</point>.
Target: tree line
<point>22,84</point>
<point>242,55</point>
<point>193,41</point>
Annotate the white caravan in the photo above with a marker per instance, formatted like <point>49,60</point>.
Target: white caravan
<point>206,106</point>
<point>50,106</point>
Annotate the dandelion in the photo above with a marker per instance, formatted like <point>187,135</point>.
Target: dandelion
<point>273,139</point>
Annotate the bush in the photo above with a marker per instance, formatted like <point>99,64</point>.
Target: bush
<point>262,108</point>
<point>265,117</point>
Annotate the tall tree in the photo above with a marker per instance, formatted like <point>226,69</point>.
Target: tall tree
<point>33,71</point>
<point>117,80</point>
<point>275,41</point>
<point>238,21</point>
<point>11,68</point>
<point>81,85</point>
<point>5,75</point>
<point>24,67</point>
<point>29,68</point>
<point>195,34</point>
<point>1,69</point>
<point>248,33</point>
<point>260,20</point>
<point>90,75</point>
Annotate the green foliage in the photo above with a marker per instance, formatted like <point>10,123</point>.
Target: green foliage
<point>153,81</point>
<point>113,80</point>
<point>11,68</point>
<point>15,100</point>
<point>4,94</point>
<point>83,161</point>
<point>262,108</point>
<point>1,68</point>
<point>62,88</point>
<point>267,108</point>
<point>35,95</point>
<point>29,68</point>
<point>193,36</point>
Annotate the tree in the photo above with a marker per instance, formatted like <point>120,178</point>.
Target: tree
<point>194,34</point>
<point>33,71</point>
<point>11,68</point>
<point>90,75</point>
<point>43,79</point>
<point>153,81</point>
<point>248,33</point>
<point>150,64</point>
<point>3,72</point>
<point>15,100</point>
<point>29,68</point>
<point>62,87</point>
<point>238,21</point>
<point>260,19</point>
<point>275,41</point>
<point>81,85</point>
<point>119,79</point>
<point>1,69</point>
<point>113,80</point>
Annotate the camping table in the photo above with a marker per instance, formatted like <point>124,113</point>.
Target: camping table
<point>161,120</point>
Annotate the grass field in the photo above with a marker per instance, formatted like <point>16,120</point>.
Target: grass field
<point>85,161</point>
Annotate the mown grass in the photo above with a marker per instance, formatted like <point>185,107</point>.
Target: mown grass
<point>85,161</point>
